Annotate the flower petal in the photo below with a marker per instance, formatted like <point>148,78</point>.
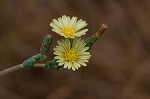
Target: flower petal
<point>69,27</point>
<point>71,53</point>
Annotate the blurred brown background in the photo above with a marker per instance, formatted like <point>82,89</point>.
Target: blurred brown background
<point>120,64</point>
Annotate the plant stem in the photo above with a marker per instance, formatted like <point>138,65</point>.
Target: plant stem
<point>17,67</point>
<point>20,66</point>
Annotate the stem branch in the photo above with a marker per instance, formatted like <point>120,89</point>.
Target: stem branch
<point>20,66</point>
<point>17,67</point>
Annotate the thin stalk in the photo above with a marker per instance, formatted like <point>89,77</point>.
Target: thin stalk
<point>17,67</point>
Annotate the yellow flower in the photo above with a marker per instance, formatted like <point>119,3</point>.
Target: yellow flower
<point>72,53</point>
<point>69,27</point>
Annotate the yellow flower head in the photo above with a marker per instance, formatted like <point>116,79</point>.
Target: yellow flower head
<point>69,27</point>
<point>72,53</point>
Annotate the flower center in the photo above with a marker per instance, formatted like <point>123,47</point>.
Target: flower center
<point>68,31</point>
<point>71,55</point>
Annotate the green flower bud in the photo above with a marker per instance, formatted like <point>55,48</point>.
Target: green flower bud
<point>46,44</point>
<point>31,61</point>
<point>90,41</point>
